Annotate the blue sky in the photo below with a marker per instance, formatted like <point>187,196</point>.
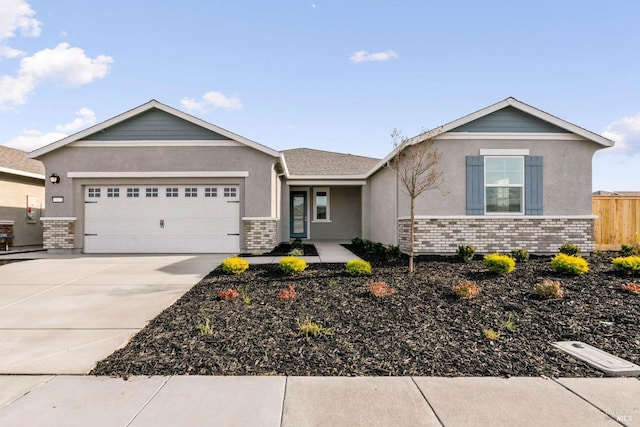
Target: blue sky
<point>332,75</point>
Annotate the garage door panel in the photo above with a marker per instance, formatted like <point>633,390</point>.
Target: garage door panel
<point>187,219</point>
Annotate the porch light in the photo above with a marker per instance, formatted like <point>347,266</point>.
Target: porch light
<point>55,179</point>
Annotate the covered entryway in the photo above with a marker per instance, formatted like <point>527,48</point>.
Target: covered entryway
<point>162,219</point>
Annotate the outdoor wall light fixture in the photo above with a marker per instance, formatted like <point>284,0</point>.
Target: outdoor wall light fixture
<point>55,179</point>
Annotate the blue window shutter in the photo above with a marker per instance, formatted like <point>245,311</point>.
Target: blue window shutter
<point>533,185</point>
<point>475,185</point>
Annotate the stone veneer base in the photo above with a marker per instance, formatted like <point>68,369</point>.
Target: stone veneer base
<point>259,234</point>
<point>536,234</point>
<point>58,234</point>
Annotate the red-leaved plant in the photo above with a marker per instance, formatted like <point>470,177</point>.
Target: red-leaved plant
<point>467,289</point>
<point>380,289</point>
<point>228,294</point>
<point>631,287</point>
<point>288,293</point>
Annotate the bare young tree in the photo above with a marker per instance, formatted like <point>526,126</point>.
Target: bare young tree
<point>416,164</point>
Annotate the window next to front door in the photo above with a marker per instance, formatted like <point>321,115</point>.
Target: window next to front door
<point>321,204</point>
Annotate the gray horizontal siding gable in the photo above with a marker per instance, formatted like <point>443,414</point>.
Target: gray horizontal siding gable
<point>509,119</point>
<point>154,125</point>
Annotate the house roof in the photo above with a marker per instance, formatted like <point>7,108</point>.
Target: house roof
<point>141,109</point>
<point>617,193</point>
<point>17,162</point>
<point>508,102</point>
<point>306,162</point>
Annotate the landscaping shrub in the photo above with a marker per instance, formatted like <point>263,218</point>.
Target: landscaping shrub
<point>292,265</point>
<point>234,265</point>
<point>393,253</point>
<point>631,287</point>
<point>288,293</point>
<point>380,289</point>
<point>466,289</point>
<point>228,294</point>
<point>490,334</point>
<point>548,289</point>
<point>500,264</point>
<point>520,255</point>
<point>628,264</point>
<point>466,252</point>
<point>297,244</point>
<point>628,250</point>
<point>358,267</point>
<point>568,264</point>
<point>296,252</point>
<point>570,249</point>
<point>310,328</point>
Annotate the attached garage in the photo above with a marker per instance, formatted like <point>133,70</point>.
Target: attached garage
<point>161,219</point>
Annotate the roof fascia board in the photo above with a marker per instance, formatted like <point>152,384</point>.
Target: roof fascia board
<point>159,174</point>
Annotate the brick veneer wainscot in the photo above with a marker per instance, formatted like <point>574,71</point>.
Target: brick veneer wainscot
<point>58,233</point>
<point>537,235</point>
<point>260,234</point>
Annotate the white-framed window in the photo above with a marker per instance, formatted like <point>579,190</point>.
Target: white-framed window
<point>113,192</point>
<point>210,192</point>
<point>94,193</point>
<point>191,192</point>
<point>133,192</point>
<point>321,204</point>
<point>504,184</point>
<point>151,192</point>
<point>172,192</point>
<point>230,192</point>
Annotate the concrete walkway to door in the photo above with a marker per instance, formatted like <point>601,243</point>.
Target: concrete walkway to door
<point>62,314</point>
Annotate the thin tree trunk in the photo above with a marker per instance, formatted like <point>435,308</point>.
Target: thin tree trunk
<point>411,225</point>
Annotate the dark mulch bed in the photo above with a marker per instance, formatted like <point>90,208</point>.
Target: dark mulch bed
<point>284,248</point>
<point>423,329</point>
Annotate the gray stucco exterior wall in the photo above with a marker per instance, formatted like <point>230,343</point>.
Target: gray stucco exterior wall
<point>255,189</point>
<point>14,190</point>
<point>346,213</point>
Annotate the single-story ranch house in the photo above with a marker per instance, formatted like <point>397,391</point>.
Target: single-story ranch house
<point>21,198</point>
<point>155,179</point>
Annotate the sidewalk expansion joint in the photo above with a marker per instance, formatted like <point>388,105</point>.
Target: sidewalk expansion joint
<point>427,400</point>
<point>555,380</point>
<point>145,404</point>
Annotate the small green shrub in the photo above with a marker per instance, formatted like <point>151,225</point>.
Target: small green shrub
<point>520,255</point>
<point>510,324</point>
<point>490,334</point>
<point>570,249</point>
<point>358,267</point>
<point>466,289</point>
<point>297,244</point>
<point>568,264</point>
<point>234,265</point>
<point>292,265</point>
<point>245,296</point>
<point>309,328</point>
<point>205,329</point>
<point>393,253</point>
<point>627,264</point>
<point>628,250</point>
<point>548,289</point>
<point>466,252</point>
<point>296,252</point>
<point>500,264</point>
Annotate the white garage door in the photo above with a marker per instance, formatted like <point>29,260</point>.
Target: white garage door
<point>162,219</point>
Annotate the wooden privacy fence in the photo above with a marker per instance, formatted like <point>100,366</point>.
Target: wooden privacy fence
<point>618,221</point>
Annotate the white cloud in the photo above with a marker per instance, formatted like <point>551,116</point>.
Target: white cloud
<point>63,63</point>
<point>31,139</point>
<point>211,100</point>
<point>626,134</point>
<point>364,56</point>
<point>16,15</point>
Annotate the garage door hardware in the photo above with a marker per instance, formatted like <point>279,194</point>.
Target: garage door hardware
<point>88,234</point>
<point>233,201</point>
<point>90,202</point>
<point>233,234</point>
<point>162,223</point>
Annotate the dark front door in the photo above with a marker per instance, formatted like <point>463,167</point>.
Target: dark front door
<point>298,214</point>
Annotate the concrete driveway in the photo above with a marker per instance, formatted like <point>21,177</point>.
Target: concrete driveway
<point>60,315</point>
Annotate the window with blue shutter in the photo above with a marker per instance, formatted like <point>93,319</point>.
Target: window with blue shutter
<point>533,186</point>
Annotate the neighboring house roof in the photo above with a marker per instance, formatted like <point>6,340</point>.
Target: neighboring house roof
<point>306,162</point>
<point>509,102</point>
<point>17,162</point>
<point>141,109</point>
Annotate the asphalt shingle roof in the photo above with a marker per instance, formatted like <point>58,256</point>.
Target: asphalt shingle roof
<point>307,161</point>
<point>12,158</point>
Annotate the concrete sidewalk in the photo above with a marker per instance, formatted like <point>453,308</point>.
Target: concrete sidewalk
<point>317,401</point>
<point>329,251</point>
